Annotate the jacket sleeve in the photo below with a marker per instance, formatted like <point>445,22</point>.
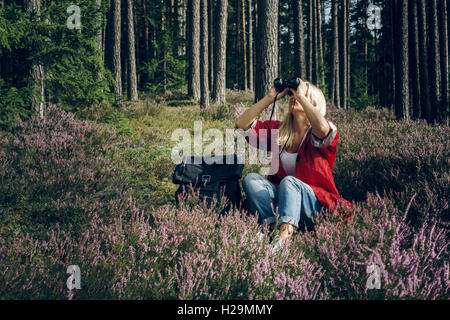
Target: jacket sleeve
<point>328,140</point>
<point>260,133</point>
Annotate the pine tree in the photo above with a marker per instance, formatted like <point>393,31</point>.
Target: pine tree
<point>204,81</point>
<point>211,42</point>
<point>423,61</point>
<point>194,48</point>
<point>220,52</point>
<point>414,58</point>
<point>335,91</point>
<point>433,60</point>
<point>299,40</point>
<point>443,33</point>
<point>250,47</point>
<point>37,69</point>
<point>117,62</point>
<point>310,39</point>
<point>402,63</point>
<point>266,47</point>
<point>343,53</point>
<point>132,76</point>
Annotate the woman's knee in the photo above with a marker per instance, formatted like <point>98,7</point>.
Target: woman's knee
<point>294,184</point>
<point>251,180</point>
<point>289,181</point>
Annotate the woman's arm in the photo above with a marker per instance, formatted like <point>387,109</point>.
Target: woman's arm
<point>246,119</point>
<point>320,126</point>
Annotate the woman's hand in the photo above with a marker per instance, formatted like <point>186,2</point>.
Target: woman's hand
<point>302,91</point>
<point>273,92</point>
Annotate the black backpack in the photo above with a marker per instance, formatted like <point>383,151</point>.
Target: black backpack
<point>211,181</point>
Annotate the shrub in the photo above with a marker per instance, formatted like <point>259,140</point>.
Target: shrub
<point>13,105</point>
<point>393,157</point>
<point>57,169</point>
<point>413,263</point>
<point>192,254</point>
<point>185,254</point>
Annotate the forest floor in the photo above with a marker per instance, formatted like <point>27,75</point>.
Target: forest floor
<point>148,126</point>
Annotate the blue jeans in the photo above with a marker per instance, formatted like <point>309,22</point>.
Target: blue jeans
<point>296,201</point>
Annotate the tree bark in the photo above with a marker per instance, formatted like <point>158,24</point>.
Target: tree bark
<point>414,59</point>
<point>146,30</point>
<point>37,69</point>
<point>348,53</point>
<point>194,49</point>
<point>132,76</point>
<point>266,47</point>
<point>443,32</point>
<point>433,57</point>
<point>402,64</point>
<point>117,63</point>
<point>315,67</point>
<point>99,38</point>
<point>250,46</point>
<point>343,54</point>
<point>335,91</point>
<point>423,61</point>
<point>210,42</point>
<point>244,45</point>
<point>299,40</point>
<point>204,57</point>
<point>220,52</point>
<point>320,40</point>
<point>310,40</point>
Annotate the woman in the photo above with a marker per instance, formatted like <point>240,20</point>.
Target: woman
<point>304,182</point>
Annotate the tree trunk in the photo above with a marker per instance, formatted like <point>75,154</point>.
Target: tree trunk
<point>320,40</point>
<point>315,78</point>
<point>37,70</point>
<point>414,59</point>
<point>220,52</point>
<point>146,30</point>
<point>194,49</point>
<point>335,91</point>
<point>165,48</point>
<point>244,45</point>
<point>204,81</point>
<point>299,40</point>
<point>433,57</point>
<point>310,40</point>
<point>343,54</point>
<point>348,53</point>
<point>402,63</point>
<point>443,32</point>
<point>266,47</point>
<point>132,76</point>
<point>250,46</point>
<point>117,63</point>
<point>423,61</point>
<point>99,38</point>
<point>210,42</point>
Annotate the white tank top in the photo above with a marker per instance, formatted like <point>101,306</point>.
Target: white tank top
<point>289,161</point>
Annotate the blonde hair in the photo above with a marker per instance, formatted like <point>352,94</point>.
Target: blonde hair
<point>317,99</point>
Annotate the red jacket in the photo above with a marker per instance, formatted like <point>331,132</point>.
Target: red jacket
<point>314,166</point>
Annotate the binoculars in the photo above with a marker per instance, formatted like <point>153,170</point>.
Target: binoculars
<point>281,84</point>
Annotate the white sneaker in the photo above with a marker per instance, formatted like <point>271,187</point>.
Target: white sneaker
<point>277,245</point>
<point>260,236</point>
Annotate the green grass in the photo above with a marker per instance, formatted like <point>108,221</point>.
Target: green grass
<point>144,158</point>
